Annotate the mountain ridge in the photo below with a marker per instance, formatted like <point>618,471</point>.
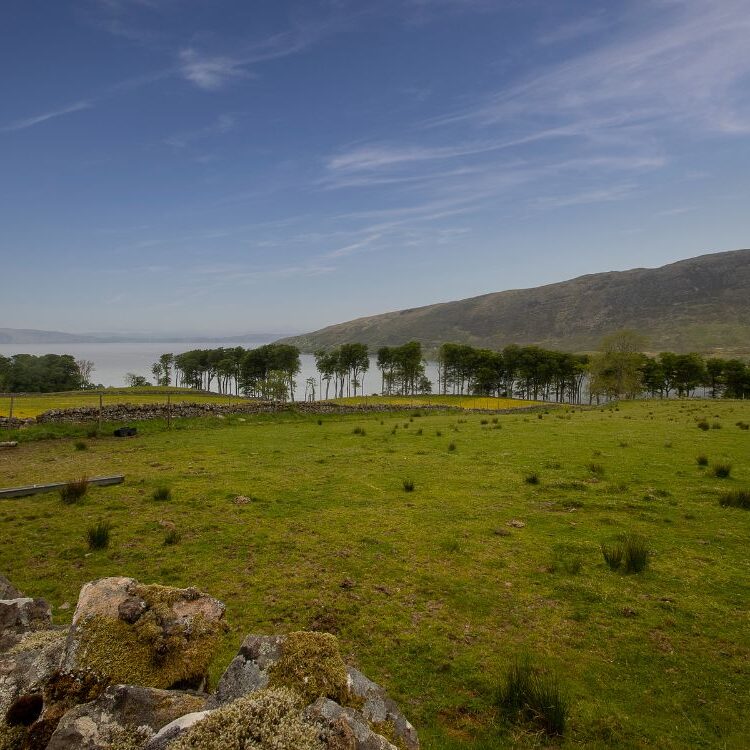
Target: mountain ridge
<point>698,304</point>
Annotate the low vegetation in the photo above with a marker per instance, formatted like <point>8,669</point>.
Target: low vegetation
<point>439,591</point>
<point>74,491</point>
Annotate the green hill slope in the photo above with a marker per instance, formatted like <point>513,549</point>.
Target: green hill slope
<point>701,304</point>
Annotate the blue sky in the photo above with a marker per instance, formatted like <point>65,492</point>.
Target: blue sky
<point>233,166</point>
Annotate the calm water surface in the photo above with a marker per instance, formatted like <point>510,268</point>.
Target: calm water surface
<point>113,361</point>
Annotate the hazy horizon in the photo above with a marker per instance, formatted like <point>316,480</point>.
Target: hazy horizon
<point>170,166</point>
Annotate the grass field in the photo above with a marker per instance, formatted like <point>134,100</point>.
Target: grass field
<point>34,404</point>
<point>441,593</point>
<point>458,402</point>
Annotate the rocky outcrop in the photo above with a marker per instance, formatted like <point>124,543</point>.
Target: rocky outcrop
<point>120,709</point>
<point>8,590</point>
<point>125,676</point>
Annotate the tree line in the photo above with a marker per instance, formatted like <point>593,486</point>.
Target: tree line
<point>28,373</point>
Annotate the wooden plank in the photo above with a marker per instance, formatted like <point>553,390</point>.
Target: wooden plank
<point>36,489</point>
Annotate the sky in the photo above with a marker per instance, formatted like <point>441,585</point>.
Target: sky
<point>223,166</point>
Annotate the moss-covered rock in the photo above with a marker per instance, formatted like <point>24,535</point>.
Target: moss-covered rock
<point>312,666</point>
<point>155,636</point>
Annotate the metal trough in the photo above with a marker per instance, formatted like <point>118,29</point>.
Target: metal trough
<point>36,489</point>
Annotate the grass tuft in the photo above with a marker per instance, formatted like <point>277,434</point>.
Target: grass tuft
<point>530,696</point>
<point>74,491</point>
<point>721,470</point>
<point>98,536</point>
<point>596,469</point>
<point>451,447</point>
<point>701,460</point>
<point>736,499</point>
<point>636,554</point>
<point>613,554</point>
<point>408,485</point>
<point>359,431</point>
<point>162,494</point>
<point>80,445</point>
<point>532,478</point>
<point>172,537</point>
<point>703,425</point>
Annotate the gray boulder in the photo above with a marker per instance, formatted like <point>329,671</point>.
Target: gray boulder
<point>378,708</point>
<point>22,614</point>
<point>344,728</point>
<point>248,671</point>
<point>8,590</point>
<point>120,709</point>
<point>161,740</point>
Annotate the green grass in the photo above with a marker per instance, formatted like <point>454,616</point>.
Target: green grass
<point>447,593</point>
<point>456,402</point>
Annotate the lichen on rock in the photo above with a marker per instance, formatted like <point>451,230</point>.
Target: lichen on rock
<point>268,719</point>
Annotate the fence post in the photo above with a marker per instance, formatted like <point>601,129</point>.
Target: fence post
<point>100,411</point>
<point>11,407</point>
<point>169,412</point>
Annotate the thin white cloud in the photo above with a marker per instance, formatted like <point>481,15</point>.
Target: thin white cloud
<point>210,73</point>
<point>30,122</point>
<point>223,124</point>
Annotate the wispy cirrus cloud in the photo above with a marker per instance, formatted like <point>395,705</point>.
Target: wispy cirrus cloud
<point>30,122</point>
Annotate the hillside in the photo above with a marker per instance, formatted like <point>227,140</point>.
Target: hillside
<point>701,304</point>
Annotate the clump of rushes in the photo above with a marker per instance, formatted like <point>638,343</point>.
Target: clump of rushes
<point>530,696</point>
<point>80,445</point>
<point>320,421</point>
<point>408,485</point>
<point>596,469</point>
<point>703,425</point>
<point>451,447</point>
<point>172,537</point>
<point>736,499</point>
<point>721,470</point>
<point>701,460</point>
<point>636,554</point>
<point>74,491</point>
<point>98,536</point>
<point>612,554</point>
<point>359,431</point>
<point>162,494</point>
<point>532,478</point>
<point>743,425</point>
<point>439,433</point>
<point>484,421</point>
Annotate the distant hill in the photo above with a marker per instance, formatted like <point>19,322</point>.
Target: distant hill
<point>23,336</point>
<point>701,304</point>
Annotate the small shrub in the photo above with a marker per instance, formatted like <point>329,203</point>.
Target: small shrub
<point>74,491</point>
<point>596,469</point>
<point>79,445</point>
<point>703,425</point>
<point>162,494</point>
<point>532,478</point>
<point>408,485</point>
<point>528,695</point>
<point>721,470</point>
<point>98,536</point>
<point>736,499</point>
<point>172,537</point>
<point>451,447</point>
<point>612,555</point>
<point>701,460</point>
<point>636,554</point>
